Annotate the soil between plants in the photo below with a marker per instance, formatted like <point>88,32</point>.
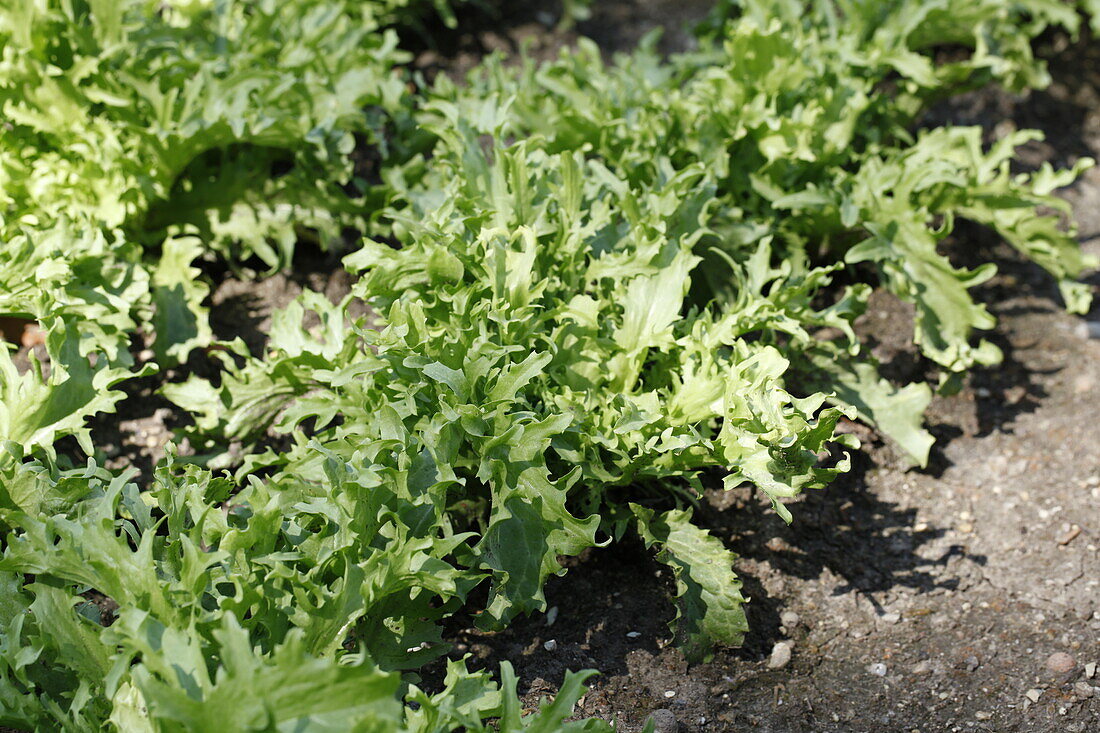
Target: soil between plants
<point>926,600</point>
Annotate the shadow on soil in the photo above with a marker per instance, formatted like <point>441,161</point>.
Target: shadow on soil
<point>867,544</point>
<point>612,601</point>
<point>617,600</point>
<point>1021,288</point>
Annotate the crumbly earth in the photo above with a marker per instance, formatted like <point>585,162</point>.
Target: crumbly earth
<point>964,597</point>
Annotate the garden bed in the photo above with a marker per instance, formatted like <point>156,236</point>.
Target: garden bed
<point>963,596</point>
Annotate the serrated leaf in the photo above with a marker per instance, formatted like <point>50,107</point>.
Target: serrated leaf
<point>707,591</point>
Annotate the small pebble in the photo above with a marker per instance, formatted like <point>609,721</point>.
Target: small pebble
<point>1060,663</point>
<point>550,645</point>
<point>633,634</point>
<point>878,669</point>
<point>1090,670</point>
<point>1033,694</point>
<point>1071,533</point>
<point>890,618</point>
<point>1084,690</point>
<point>551,615</point>
<point>983,715</point>
<point>781,655</point>
<point>789,619</point>
<point>670,693</point>
<point>922,667</point>
<point>664,720</point>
